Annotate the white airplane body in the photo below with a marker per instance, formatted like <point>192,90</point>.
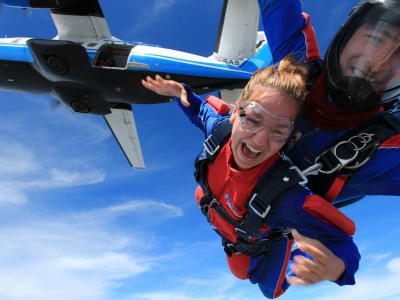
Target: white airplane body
<point>90,71</point>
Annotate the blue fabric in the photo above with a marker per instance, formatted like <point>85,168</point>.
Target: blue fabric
<point>200,113</point>
<point>283,26</point>
<point>266,271</point>
<point>380,175</point>
<point>290,214</point>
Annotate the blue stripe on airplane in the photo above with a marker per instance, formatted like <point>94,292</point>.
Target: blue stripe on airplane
<point>157,63</point>
<point>160,63</point>
<point>16,52</point>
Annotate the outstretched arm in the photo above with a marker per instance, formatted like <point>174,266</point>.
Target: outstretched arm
<point>166,88</point>
<point>201,113</point>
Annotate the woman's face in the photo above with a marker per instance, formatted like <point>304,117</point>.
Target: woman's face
<point>252,148</point>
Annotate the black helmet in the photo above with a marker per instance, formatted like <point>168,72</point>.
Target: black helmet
<point>362,63</point>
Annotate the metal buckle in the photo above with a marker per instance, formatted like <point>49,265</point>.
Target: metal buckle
<point>342,161</point>
<point>364,139</point>
<point>312,170</point>
<point>305,180</point>
<point>210,146</point>
<point>243,234</point>
<point>261,215</point>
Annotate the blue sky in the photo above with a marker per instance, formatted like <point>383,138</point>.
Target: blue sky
<point>76,222</point>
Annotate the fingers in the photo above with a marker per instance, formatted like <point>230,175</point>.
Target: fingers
<point>295,281</point>
<point>311,246</point>
<point>166,88</point>
<point>183,98</point>
<point>307,271</point>
<point>325,265</point>
<point>153,85</point>
<point>307,265</point>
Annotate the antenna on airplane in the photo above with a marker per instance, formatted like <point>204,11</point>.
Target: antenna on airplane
<point>28,11</point>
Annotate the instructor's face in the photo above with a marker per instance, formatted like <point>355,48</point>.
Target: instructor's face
<point>373,53</point>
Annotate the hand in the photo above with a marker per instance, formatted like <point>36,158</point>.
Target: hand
<point>324,266</point>
<point>166,88</point>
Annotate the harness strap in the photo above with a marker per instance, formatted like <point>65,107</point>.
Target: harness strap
<point>269,189</point>
<point>344,157</point>
<point>215,141</point>
<point>335,188</point>
<point>258,248</point>
<point>271,186</point>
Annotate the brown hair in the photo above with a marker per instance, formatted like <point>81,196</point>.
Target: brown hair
<point>289,78</point>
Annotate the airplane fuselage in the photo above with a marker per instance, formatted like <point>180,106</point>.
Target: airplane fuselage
<point>90,77</point>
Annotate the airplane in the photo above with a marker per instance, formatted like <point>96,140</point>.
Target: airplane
<point>90,71</point>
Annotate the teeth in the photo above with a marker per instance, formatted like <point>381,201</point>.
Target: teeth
<point>362,75</point>
<point>252,149</point>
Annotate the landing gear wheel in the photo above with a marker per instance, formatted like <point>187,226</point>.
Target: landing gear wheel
<point>57,65</point>
<point>80,107</point>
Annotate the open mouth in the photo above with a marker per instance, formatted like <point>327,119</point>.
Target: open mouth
<point>360,74</point>
<point>249,152</point>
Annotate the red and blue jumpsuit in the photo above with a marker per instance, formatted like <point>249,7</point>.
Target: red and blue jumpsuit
<point>310,214</point>
<point>288,30</point>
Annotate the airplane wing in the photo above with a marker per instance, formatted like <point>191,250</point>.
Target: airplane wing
<point>84,21</point>
<point>81,21</point>
<point>237,31</point>
<point>122,124</point>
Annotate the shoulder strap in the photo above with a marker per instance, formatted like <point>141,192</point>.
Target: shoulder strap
<point>212,146</point>
<point>269,191</point>
<point>217,139</point>
<point>315,68</point>
<point>270,188</point>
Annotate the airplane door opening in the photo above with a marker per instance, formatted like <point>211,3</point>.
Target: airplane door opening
<point>113,56</point>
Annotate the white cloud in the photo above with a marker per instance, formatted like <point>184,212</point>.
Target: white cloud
<point>13,191</point>
<point>216,286</point>
<point>160,6</point>
<point>15,159</point>
<point>380,283</point>
<point>377,258</point>
<point>152,13</point>
<point>22,170</point>
<point>65,178</point>
<point>11,195</point>
<point>146,206</point>
<point>66,258</point>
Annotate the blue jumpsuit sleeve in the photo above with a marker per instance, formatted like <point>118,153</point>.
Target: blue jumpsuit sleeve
<point>195,102</point>
<point>379,176</point>
<point>287,30</point>
<point>269,271</point>
<point>200,113</point>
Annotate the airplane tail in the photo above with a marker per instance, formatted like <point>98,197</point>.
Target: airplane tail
<point>237,34</point>
<point>239,43</point>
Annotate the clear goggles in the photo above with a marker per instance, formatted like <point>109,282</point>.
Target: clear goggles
<point>254,118</point>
